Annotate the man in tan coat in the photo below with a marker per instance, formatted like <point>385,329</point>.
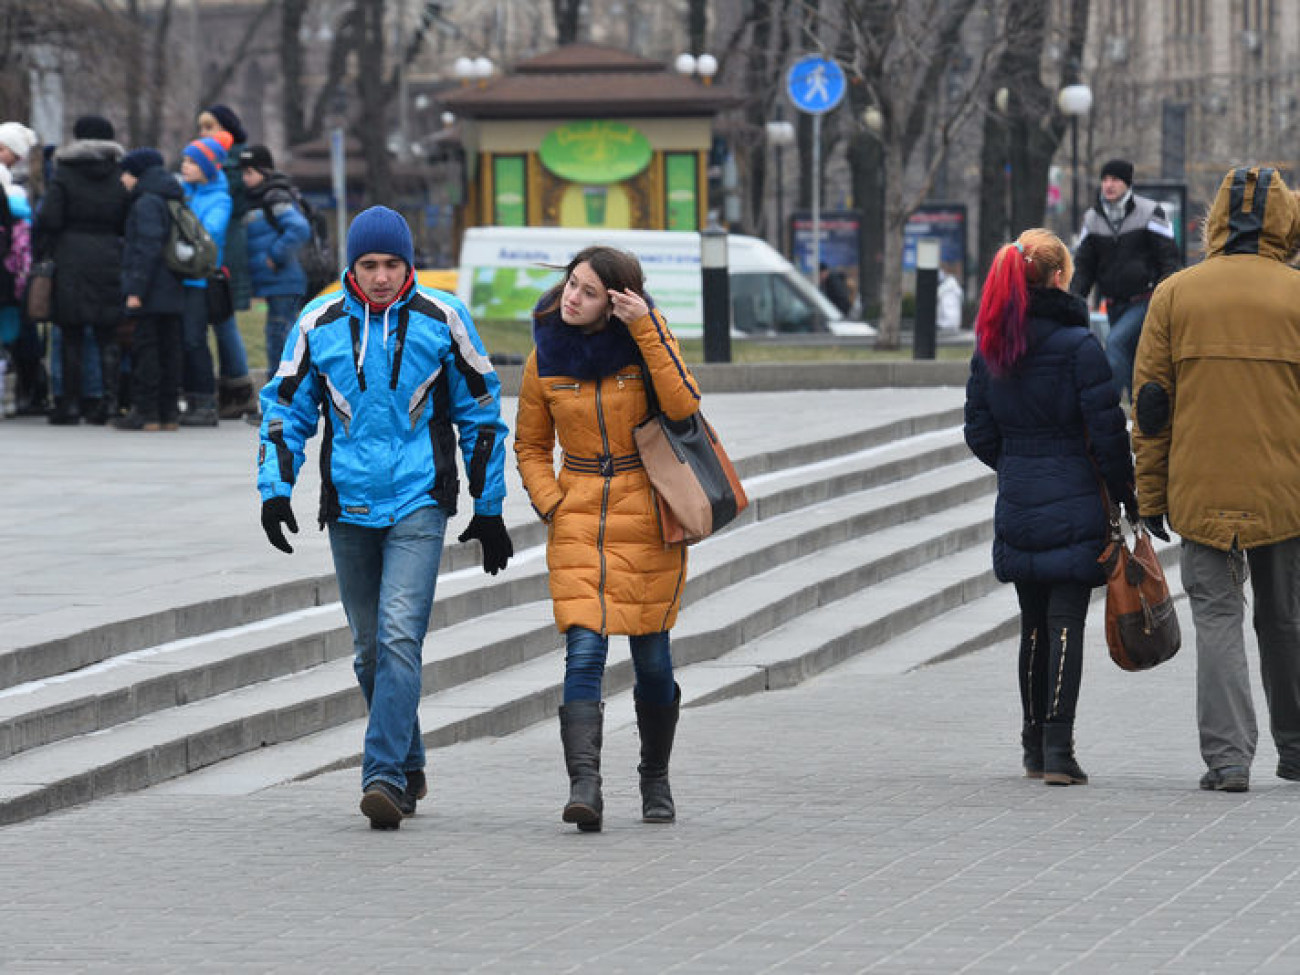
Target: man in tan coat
<point>1217,436</point>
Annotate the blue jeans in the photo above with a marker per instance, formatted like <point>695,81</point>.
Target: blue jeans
<point>1122,342</point>
<point>232,361</point>
<point>584,666</point>
<point>196,364</point>
<point>92,372</point>
<point>386,581</point>
<point>281,313</point>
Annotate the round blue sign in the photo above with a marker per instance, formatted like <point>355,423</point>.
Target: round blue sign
<point>815,84</point>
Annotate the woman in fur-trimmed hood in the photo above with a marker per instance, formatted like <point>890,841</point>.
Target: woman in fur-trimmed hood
<point>597,334</point>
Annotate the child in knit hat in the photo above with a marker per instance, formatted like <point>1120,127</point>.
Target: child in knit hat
<point>207,195</point>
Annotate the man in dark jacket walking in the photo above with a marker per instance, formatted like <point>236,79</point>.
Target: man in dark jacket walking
<point>1125,249</point>
<point>155,298</point>
<point>80,226</point>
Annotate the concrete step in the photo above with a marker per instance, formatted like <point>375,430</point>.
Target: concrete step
<point>132,685</point>
<point>711,644</point>
<point>262,600</point>
<point>494,674</point>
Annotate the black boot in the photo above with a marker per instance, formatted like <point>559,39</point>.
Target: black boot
<point>1031,741</point>
<point>92,411</point>
<point>66,412</point>
<point>657,724</point>
<point>202,411</point>
<point>1059,766</point>
<point>581,731</point>
<point>237,397</point>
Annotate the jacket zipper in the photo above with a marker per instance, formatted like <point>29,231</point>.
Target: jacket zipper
<point>604,508</point>
<point>556,387</point>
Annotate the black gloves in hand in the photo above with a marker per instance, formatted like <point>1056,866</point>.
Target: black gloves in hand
<point>276,512</point>
<point>1155,524</point>
<point>490,530</point>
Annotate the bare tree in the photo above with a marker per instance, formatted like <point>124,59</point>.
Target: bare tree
<point>900,51</point>
<point>1023,126</point>
<point>567,14</point>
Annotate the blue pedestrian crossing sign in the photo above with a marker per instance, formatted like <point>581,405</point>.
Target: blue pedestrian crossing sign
<point>815,84</point>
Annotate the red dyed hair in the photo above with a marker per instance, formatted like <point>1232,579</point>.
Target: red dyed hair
<point>1001,329</point>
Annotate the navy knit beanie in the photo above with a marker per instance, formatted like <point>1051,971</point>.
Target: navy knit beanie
<point>380,230</point>
<point>228,120</point>
<point>137,161</point>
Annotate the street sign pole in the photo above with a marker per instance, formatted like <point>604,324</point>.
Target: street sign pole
<point>815,85</point>
<point>815,271</point>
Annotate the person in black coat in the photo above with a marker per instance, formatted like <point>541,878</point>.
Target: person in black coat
<point>155,297</point>
<point>79,225</point>
<point>1042,411</point>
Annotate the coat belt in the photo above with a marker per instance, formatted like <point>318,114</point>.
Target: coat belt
<point>602,465</point>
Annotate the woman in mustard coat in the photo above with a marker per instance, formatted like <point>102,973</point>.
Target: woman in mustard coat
<point>597,340</point>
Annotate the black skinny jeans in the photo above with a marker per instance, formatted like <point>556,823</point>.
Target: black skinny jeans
<point>1051,648</point>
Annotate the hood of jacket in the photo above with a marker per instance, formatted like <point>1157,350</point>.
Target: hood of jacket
<point>1062,307</point>
<point>563,350</point>
<point>159,181</point>
<point>1253,213</point>
<point>97,158</point>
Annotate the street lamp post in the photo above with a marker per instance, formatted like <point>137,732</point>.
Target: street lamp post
<point>1074,100</point>
<point>780,134</point>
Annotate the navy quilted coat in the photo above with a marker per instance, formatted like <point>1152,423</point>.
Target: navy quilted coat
<point>1034,427</point>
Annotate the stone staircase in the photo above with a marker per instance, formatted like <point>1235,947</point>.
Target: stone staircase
<point>873,542</point>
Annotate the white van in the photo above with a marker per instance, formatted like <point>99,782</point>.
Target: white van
<point>504,270</point>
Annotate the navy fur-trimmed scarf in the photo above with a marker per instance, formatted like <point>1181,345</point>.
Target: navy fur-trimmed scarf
<point>563,350</point>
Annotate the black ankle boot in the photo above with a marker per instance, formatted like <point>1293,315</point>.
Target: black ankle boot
<point>582,732</point>
<point>65,413</point>
<point>1031,741</point>
<point>1059,766</point>
<point>657,725</point>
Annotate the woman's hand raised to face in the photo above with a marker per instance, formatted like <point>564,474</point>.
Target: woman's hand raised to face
<point>627,306</point>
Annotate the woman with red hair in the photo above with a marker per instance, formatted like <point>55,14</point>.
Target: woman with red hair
<point>1042,411</point>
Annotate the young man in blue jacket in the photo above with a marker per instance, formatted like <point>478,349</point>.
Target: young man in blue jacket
<point>400,375</point>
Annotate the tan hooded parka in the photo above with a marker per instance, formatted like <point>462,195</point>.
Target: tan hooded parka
<point>1217,377</point>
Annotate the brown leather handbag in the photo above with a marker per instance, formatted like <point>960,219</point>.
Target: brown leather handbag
<point>1141,625</point>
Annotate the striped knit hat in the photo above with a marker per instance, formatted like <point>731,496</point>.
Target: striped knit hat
<point>208,154</point>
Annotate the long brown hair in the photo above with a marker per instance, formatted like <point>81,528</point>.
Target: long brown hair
<point>618,270</point>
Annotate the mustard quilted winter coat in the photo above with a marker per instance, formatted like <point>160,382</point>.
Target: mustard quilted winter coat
<point>609,568</point>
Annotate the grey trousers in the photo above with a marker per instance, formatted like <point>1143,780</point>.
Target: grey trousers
<point>1215,583</point>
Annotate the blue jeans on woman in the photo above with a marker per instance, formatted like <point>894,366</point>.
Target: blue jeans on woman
<point>386,582</point>
<point>281,313</point>
<point>232,360</point>
<point>584,666</point>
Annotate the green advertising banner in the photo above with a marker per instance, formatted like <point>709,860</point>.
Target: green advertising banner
<point>508,176</point>
<point>595,151</point>
<point>681,203</point>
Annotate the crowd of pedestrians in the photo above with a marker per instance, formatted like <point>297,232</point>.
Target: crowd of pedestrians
<point>124,339</point>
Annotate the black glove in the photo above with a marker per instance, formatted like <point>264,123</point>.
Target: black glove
<point>1155,524</point>
<point>490,530</point>
<point>277,512</point>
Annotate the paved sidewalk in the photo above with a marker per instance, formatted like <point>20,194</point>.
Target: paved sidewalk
<point>862,822</point>
<point>866,821</point>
